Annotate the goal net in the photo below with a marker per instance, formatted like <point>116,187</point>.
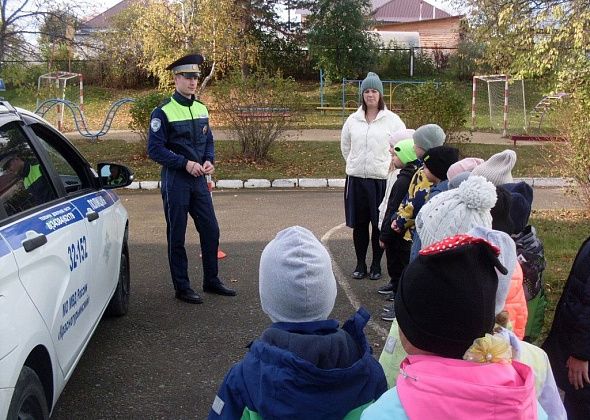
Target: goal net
<point>60,85</point>
<point>498,104</point>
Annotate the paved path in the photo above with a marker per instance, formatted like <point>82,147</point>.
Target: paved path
<point>315,134</point>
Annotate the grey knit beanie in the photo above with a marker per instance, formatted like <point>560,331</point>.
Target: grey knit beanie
<point>296,282</point>
<point>507,257</point>
<point>372,81</point>
<point>429,136</point>
<point>456,211</point>
<point>498,168</point>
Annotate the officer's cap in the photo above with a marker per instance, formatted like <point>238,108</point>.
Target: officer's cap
<point>188,65</point>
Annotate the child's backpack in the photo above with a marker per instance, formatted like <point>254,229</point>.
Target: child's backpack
<point>531,256</point>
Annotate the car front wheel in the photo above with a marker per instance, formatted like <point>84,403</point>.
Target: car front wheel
<point>119,303</point>
<point>28,401</point>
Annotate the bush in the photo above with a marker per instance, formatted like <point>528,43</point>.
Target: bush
<point>22,75</point>
<point>573,122</point>
<point>141,110</point>
<point>394,62</point>
<point>257,109</point>
<point>436,103</point>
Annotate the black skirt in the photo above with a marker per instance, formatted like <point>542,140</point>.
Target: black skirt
<point>362,197</point>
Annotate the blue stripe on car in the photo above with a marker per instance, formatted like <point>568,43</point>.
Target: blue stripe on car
<point>97,202</point>
<point>4,249</point>
<point>55,218</point>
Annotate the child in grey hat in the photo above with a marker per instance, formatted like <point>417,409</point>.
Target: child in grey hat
<point>303,356</point>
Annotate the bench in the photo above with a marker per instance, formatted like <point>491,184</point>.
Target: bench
<point>324,109</point>
<point>533,137</point>
<point>263,113</point>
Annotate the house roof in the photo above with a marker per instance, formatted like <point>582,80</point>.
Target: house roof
<point>406,11</point>
<point>102,21</point>
<point>400,11</point>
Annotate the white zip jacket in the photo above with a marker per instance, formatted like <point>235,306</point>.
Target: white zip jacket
<point>365,146</point>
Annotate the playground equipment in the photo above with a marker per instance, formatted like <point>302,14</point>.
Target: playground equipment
<point>505,110</point>
<point>57,82</point>
<point>351,100</point>
<point>78,115</point>
<point>546,104</point>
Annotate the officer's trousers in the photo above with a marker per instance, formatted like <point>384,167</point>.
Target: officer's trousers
<point>183,194</point>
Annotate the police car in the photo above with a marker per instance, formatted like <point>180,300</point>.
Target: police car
<point>64,259</point>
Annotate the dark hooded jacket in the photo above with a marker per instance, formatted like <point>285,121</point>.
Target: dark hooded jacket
<point>308,370</point>
<point>521,205</point>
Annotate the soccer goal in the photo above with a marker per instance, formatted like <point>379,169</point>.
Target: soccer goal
<point>498,103</point>
<point>54,85</point>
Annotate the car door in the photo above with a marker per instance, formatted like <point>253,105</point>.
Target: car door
<point>49,241</point>
<point>103,240</point>
<point>9,292</point>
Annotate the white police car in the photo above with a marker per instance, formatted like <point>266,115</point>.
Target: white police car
<point>64,259</point>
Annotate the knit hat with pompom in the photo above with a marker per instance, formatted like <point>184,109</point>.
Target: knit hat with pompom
<point>456,211</point>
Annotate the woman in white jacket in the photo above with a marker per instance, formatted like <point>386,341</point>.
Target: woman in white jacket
<point>365,147</point>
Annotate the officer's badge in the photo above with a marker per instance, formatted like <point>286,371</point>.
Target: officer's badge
<point>155,124</point>
<point>205,129</point>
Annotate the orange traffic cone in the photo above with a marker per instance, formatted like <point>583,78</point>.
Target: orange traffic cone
<point>210,186</point>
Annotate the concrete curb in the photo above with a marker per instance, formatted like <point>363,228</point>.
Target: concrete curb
<point>236,184</point>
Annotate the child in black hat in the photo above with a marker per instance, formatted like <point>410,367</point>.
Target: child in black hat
<point>455,368</point>
<point>436,163</point>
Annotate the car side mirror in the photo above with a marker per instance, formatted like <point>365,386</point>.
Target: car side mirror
<point>113,175</point>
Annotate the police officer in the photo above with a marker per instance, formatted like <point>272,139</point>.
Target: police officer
<point>32,175</point>
<point>180,140</point>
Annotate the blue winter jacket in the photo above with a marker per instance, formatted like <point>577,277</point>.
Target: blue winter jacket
<point>310,370</point>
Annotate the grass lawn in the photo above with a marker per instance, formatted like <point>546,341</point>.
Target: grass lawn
<point>97,101</point>
<point>292,159</point>
<point>562,233</point>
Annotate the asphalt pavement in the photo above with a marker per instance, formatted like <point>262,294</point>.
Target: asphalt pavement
<point>165,358</point>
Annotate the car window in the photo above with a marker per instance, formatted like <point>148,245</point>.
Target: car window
<point>70,168</point>
<point>23,178</point>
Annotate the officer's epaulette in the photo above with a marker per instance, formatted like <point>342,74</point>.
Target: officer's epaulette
<point>164,102</point>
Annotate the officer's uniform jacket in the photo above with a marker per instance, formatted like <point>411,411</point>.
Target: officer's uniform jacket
<point>179,132</point>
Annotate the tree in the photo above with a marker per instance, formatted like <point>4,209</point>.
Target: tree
<point>22,20</point>
<point>339,39</point>
<point>229,33</point>
<point>260,24</point>
<point>14,23</point>
<point>56,35</point>
<point>121,61</point>
<point>544,38</point>
<point>165,31</point>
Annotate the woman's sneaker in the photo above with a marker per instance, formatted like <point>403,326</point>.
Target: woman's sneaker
<point>375,273</point>
<point>360,272</point>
